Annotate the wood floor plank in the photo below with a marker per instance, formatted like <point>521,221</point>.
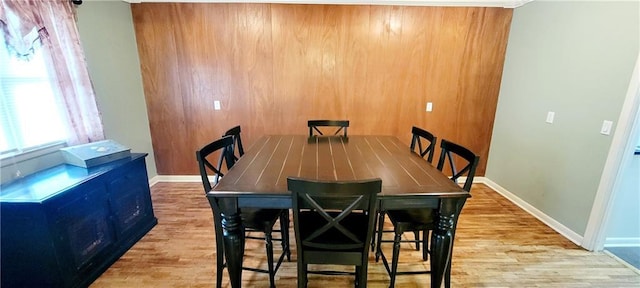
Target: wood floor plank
<point>497,245</point>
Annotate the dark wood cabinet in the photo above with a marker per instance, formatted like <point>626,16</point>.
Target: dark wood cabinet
<point>64,226</point>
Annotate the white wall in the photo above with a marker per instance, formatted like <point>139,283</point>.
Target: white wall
<point>574,58</point>
<point>108,38</point>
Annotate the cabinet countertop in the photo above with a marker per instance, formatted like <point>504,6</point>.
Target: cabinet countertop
<point>47,183</point>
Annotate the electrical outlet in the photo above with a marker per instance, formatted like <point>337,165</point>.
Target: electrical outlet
<point>216,105</point>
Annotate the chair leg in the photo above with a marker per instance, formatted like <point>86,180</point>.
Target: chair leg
<point>284,228</point>
<point>425,245</point>
<point>302,274</point>
<point>362,275</point>
<point>447,276</point>
<point>373,237</point>
<point>283,237</point>
<point>379,235</point>
<point>394,260</point>
<point>220,264</point>
<point>269,247</point>
<point>416,235</point>
<point>219,267</point>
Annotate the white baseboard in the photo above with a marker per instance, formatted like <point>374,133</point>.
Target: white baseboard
<point>177,178</point>
<point>555,225</point>
<point>622,242</point>
<point>153,181</point>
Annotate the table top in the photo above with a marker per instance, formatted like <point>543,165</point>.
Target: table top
<point>264,169</point>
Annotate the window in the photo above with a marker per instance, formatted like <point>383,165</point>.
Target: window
<point>30,114</point>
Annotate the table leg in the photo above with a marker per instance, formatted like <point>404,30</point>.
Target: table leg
<point>233,232</point>
<point>442,239</point>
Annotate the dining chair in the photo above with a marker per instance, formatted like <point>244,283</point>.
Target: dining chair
<point>418,136</point>
<point>237,142</point>
<point>426,143</point>
<point>314,124</point>
<point>424,219</point>
<point>237,146</point>
<point>333,224</point>
<point>254,220</point>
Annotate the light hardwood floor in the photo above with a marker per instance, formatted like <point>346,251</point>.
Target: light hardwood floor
<point>497,245</point>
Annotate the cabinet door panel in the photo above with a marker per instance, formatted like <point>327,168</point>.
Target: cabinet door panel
<point>129,199</point>
<point>90,235</point>
<point>84,227</point>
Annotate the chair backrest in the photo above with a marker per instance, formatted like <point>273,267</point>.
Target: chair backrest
<point>237,142</point>
<point>314,124</point>
<point>334,202</point>
<point>429,148</point>
<point>225,146</point>
<point>449,149</point>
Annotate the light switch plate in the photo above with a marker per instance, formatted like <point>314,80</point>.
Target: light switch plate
<point>216,105</point>
<point>606,127</point>
<point>550,116</point>
<point>429,106</point>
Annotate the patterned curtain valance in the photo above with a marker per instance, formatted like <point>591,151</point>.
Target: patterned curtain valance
<point>22,27</point>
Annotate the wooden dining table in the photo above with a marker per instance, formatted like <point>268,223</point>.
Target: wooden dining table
<point>259,180</point>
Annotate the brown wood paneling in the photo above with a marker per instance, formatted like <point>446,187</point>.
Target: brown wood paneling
<point>162,85</point>
<point>274,66</point>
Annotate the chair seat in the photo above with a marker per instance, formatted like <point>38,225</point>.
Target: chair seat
<point>412,219</point>
<point>259,219</point>
<point>333,239</point>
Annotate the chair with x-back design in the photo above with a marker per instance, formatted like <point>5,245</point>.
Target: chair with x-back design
<point>333,223</point>
<point>237,141</point>
<point>418,136</point>
<point>425,219</point>
<point>260,220</point>
<point>425,142</point>
<point>341,124</point>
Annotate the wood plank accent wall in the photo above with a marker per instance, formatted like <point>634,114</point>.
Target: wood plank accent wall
<point>274,66</point>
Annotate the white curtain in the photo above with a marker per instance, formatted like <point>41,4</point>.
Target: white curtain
<point>50,25</point>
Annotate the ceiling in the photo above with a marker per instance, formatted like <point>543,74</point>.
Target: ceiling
<point>467,3</point>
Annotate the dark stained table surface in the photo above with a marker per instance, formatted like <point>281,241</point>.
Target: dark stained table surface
<point>265,167</point>
<point>259,179</point>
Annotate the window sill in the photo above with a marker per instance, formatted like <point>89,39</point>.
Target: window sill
<point>11,158</point>
<point>16,166</point>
